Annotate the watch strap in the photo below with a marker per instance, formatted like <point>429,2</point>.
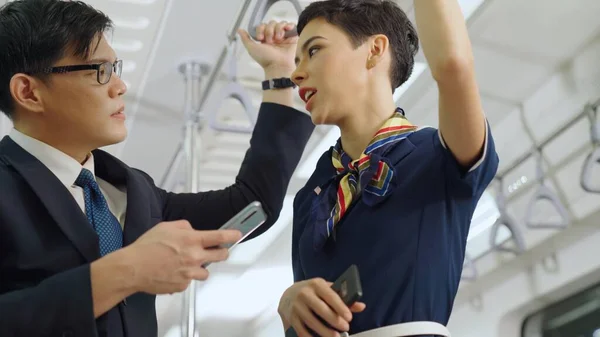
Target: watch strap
<point>278,83</point>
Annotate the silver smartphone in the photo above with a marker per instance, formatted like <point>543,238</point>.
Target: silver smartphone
<point>246,221</point>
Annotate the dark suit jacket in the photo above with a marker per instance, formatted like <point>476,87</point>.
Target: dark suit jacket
<point>47,244</point>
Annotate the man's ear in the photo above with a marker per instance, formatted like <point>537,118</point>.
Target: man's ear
<point>378,48</point>
<point>25,90</point>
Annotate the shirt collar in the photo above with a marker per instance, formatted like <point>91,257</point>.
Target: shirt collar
<point>64,167</point>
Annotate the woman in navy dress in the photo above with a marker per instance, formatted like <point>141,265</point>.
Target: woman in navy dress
<point>392,198</point>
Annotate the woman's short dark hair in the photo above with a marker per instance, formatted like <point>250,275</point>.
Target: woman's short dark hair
<point>361,19</point>
<point>35,34</point>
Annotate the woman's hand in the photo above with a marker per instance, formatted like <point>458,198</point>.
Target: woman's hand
<point>273,50</point>
<point>304,301</point>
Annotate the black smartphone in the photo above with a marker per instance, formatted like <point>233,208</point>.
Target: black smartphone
<point>349,288</point>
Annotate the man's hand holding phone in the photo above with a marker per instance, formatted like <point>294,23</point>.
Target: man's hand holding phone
<point>169,256</point>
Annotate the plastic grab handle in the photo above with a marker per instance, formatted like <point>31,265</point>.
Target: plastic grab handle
<point>545,193</point>
<point>509,222</point>
<point>592,160</point>
<point>236,91</point>
<point>261,9</point>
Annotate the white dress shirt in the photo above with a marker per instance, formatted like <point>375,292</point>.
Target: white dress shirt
<point>67,169</point>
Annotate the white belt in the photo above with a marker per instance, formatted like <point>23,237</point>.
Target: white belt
<point>407,329</point>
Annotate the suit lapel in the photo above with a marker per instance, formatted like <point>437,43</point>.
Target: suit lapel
<point>56,198</point>
<point>138,208</point>
<point>137,220</point>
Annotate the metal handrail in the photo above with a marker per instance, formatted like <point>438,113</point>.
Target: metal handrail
<point>568,124</point>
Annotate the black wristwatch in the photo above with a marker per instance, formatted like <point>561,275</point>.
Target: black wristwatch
<point>278,83</point>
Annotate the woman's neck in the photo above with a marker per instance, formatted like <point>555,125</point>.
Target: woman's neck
<point>361,125</point>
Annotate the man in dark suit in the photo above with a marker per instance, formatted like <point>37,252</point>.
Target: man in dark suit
<point>86,242</point>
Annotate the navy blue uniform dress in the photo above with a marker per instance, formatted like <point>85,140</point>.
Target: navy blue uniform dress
<point>410,248</point>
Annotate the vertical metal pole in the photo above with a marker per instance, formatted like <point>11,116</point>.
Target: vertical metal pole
<point>192,72</point>
<point>189,296</point>
<point>167,180</point>
<point>198,105</point>
<point>197,149</point>
<point>201,70</point>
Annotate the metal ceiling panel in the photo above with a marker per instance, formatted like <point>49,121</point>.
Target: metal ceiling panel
<point>553,106</point>
<point>136,25</point>
<point>507,77</point>
<point>496,110</point>
<point>540,31</point>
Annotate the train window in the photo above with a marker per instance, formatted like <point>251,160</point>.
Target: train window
<point>576,316</point>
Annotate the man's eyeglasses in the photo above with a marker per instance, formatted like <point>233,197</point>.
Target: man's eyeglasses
<point>104,70</point>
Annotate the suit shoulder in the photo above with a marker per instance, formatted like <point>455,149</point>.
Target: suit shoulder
<point>12,181</point>
<point>111,161</point>
<point>145,175</point>
<point>7,172</point>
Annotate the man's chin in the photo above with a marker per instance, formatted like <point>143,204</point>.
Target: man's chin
<point>114,139</point>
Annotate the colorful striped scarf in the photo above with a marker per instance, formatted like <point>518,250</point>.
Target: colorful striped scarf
<point>371,174</point>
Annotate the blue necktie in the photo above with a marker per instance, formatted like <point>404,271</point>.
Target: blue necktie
<point>105,223</point>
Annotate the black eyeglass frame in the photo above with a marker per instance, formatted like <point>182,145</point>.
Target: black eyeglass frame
<point>116,67</point>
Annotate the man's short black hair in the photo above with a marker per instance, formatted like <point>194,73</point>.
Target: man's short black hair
<point>361,19</point>
<point>35,34</point>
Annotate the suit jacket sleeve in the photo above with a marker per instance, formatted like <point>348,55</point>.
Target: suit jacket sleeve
<point>61,304</point>
<point>276,146</point>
